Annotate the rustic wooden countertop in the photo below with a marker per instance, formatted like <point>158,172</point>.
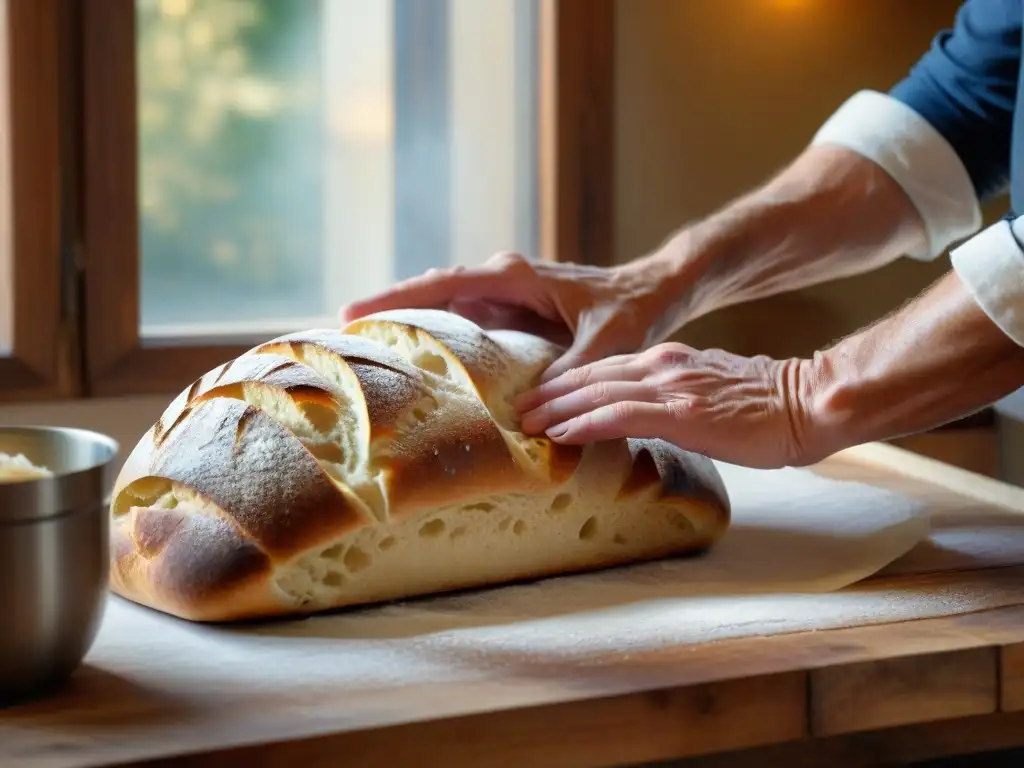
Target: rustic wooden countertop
<point>889,693</point>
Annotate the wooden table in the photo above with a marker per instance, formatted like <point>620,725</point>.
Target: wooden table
<point>888,693</point>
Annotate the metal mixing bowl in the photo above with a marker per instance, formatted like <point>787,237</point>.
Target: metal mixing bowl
<point>54,556</point>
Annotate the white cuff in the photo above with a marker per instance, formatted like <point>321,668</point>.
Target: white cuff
<point>918,158</point>
<point>991,266</point>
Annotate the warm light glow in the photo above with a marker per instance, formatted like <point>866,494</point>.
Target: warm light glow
<point>256,96</point>
<point>363,117</point>
<point>177,8</point>
<point>200,35</point>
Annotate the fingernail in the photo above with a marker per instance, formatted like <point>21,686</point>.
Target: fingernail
<point>557,431</point>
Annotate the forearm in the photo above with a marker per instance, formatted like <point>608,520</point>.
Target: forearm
<point>830,214</point>
<point>937,359</point>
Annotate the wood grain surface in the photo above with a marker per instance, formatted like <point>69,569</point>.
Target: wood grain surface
<point>950,684</point>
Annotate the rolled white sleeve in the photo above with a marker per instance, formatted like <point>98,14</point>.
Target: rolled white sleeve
<point>918,158</point>
<point>991,266</point>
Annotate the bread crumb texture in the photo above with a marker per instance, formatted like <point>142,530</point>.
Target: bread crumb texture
<point>332,468</point>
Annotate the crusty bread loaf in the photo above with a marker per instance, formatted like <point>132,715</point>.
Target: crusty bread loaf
<point>334,468</point>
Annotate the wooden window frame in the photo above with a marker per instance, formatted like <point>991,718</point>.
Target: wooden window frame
<point>575,120</point>
<point>42,360</point>
<point>577,131</point>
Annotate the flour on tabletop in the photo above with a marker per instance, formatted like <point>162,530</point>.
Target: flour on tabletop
<point>797,540</point>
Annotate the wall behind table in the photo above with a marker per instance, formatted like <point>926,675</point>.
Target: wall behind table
<point>716,95</point>
<point>125,419</point>
<point>713,95</point>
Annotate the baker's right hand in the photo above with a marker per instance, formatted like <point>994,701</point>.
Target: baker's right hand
<point>593,311</point>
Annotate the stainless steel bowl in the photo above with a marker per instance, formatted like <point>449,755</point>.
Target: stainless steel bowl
<point>54,557</point>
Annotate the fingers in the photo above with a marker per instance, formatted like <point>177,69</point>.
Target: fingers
<point>618,368</point>
<point>582,401</point>
<point>492,316</point>
<point>588,348</point>
<point>439,288</point>
<point>431,290</point>
<point>618,397</point>
<point>614,421</point>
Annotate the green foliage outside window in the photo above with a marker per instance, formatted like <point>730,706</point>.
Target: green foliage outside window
<point>230,121</point>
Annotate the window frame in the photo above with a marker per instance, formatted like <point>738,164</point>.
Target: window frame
<point>42,363</point>
<point>577,131</point>
<point>574,174</point>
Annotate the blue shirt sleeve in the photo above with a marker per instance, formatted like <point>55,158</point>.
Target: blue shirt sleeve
<point>966,87</point>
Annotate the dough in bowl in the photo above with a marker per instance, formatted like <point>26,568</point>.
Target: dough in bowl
<point>17,469</point>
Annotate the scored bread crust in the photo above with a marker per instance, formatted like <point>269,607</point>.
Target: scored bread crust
<point>333,468</point>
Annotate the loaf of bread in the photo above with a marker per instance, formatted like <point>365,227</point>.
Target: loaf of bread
<point>334,468</point>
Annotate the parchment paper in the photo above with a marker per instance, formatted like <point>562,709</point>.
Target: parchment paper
<point>794,535</point>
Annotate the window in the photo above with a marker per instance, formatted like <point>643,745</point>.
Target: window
<point>34,354</point>
<point>294,156</point>
<point>229,170</point>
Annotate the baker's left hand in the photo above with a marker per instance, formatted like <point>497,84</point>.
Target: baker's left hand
<point>753,411</point>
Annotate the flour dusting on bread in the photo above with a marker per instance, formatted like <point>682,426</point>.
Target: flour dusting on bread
<point>381,462</point>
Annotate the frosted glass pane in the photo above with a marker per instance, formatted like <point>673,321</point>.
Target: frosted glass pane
<point>297,155</point>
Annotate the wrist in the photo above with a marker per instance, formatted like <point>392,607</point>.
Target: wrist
<point>840,401</point>
<point>663,282</point>
<point>938,359</point>
<point>830,214</point>
<point>820,423</point>
<point>691,273</point>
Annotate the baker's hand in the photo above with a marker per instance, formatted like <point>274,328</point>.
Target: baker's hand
<point>750,411</point>
<point>593,311</point>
